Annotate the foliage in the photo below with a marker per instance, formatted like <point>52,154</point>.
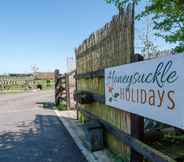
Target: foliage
<point>35,70</point>
<point>149,49</point>
<point>118,157</point>
<point>61,106</point>
<point>167,16</point>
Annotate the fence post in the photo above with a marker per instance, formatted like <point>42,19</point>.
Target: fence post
<point>67,90</point>
<point>137,124</point>
<point>76,88</point>
<point>56,85</point>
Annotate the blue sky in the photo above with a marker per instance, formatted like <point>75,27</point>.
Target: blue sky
<point>45,32</point>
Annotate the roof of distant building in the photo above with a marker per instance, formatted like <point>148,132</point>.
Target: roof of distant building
<point>45,75</point>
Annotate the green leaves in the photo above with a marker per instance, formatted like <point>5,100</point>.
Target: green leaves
<point>167,16</point>
<point>168,20</point>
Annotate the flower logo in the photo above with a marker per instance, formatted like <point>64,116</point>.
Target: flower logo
<point>113,95</point>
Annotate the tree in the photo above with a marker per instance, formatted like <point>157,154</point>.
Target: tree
<point>167,16</point>
<point>149,49</point>
<point>35,70</point>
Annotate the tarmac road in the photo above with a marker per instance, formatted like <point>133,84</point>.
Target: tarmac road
<point>31,133</point>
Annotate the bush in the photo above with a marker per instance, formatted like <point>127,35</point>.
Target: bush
<point>61,106</point>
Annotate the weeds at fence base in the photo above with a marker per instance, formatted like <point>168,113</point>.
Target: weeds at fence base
<point>61,106</point>
<point>117,157</point>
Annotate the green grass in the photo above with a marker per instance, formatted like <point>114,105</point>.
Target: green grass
<point>62,106</point>
<point>116,157</point>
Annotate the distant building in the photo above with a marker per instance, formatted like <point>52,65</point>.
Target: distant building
<point>20,75</point>
<point>45,76</point>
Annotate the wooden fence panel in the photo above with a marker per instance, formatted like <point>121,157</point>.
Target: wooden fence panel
<point>110,46</point>
<point>16,83</point>
<point>64,89</point>
<point>71,86</point>
<point>60,88</point>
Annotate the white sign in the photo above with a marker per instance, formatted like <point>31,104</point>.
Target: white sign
<point>153,89</point>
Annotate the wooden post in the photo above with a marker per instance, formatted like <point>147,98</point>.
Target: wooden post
<point>137,124</point>
<point>76,104</point>
<point>67,90</point>
<point>56,79</point>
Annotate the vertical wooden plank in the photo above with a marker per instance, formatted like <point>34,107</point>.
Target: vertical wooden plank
<point>78,68</point>
<point>137,124</point>
<point>67,91</point>
<point>56,90</point>
<point>76,88</point>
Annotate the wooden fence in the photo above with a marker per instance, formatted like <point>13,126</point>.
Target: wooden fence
<point>71,89</point>
<point>13,82</point>
<point>110,46</point>
<point>64,89</point>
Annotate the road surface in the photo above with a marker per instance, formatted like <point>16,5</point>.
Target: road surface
<point>30,132</point>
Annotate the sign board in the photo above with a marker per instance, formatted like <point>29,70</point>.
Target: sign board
<point>153,89</point>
